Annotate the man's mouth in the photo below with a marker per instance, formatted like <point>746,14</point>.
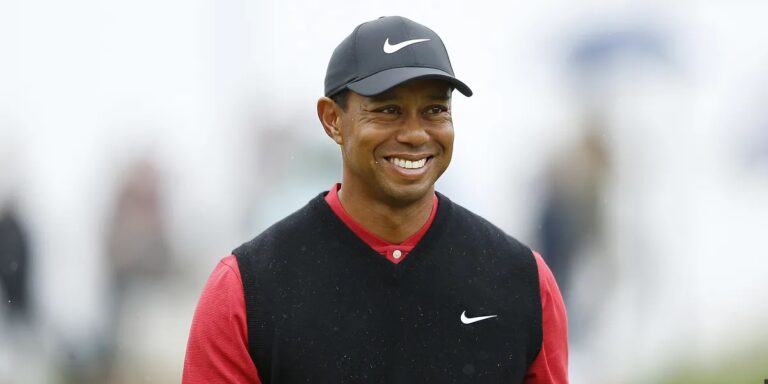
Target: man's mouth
<point>408,164</point>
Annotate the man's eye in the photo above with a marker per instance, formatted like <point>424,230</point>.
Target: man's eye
<point>389,110</point>
<point>436,109</point>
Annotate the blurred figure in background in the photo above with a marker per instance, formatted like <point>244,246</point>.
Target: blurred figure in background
<point>20,351</point>
<point>17,324</point>
<point>572,216</point>
<point>139,256</point>
<point>14,242</point>
<point>137,248</point>
<point>14,265</point>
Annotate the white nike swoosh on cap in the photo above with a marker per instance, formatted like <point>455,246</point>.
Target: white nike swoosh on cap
<point>470,320</point>
<point>394,48</point>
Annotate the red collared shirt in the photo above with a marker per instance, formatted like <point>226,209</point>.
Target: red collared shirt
<point>217,349</point>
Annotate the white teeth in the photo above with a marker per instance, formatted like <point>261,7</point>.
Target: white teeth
<point>408,164</point>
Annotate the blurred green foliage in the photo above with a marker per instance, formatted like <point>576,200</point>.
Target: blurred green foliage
<point>746,367</point>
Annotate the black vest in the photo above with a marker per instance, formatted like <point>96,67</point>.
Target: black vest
<point>323,307</point>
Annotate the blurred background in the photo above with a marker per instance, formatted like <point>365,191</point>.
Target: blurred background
<point>141,141</point>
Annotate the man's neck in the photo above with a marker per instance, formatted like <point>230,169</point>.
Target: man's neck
<point>390,223</point>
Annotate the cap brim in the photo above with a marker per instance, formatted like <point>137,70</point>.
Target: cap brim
<point>386,79</point>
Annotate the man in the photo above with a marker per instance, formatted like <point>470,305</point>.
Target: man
<point>381,279</point>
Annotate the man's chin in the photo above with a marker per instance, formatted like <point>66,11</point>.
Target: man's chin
<point>401,195</point>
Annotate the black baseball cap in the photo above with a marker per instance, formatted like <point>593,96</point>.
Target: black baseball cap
<point>386,52</point>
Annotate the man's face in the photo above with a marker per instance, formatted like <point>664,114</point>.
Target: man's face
<point>395,145</point>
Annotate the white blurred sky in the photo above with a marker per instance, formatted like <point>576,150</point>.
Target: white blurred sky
<point>86,86</point>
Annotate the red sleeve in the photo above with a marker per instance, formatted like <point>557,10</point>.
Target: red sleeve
<point>217,349</point>
<point>551,365</point>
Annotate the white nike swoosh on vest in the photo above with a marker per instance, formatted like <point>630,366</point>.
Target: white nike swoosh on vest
<point>394,48</point>
<point>470,320</point>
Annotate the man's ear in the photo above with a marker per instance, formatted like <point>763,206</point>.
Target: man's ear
<point>329,114</point>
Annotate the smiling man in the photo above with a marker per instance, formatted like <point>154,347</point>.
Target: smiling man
<point>382,279</point>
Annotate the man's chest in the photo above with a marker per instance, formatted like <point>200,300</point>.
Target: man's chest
<point>433,325</point>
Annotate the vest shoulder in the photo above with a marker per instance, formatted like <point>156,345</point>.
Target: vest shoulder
<point>299,223</point>
<point>476,226</point>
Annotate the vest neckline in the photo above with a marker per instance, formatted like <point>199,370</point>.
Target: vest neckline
<point>415,257</point>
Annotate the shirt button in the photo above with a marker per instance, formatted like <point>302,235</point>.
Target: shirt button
<point>396,254</point>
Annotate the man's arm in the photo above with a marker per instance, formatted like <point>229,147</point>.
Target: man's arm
<point>551,365</point>
<point>217,349</point>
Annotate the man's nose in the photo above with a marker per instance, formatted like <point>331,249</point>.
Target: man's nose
<point>413,132</point>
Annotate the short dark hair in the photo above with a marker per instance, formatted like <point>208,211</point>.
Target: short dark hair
<point>340,98</point>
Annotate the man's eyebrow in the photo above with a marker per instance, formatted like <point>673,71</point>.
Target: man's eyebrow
<point>384,96</point>
<point>440,96</point>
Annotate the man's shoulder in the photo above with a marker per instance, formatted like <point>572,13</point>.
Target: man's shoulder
<point>298,223</point>
<point>464,220</point>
